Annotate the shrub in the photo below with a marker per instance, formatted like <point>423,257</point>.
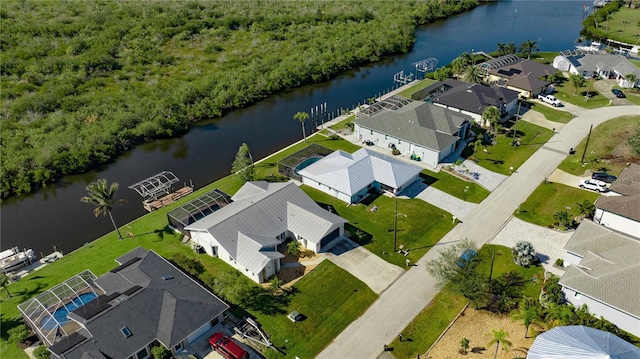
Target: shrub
<point>42,352</point>
<point>19,334</point>
<point>189,265</point>
<point>334,137</point>
<point>395,152</point>
<point>160,352</point>
<point>524,254</point>
<point>559,262</point>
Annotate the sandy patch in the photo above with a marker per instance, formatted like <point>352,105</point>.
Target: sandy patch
<point>476,326</point>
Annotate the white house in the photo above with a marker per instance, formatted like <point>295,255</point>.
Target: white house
<point>608,66</point>
<point>246,232</point>
<point>622,213</point>
<point>350,177</point>
<point>471,99</point>
<point>604,274</point>
<point>418,128</point>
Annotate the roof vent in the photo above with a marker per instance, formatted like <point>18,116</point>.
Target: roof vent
<point>167,277</point>
<point>126,332</point>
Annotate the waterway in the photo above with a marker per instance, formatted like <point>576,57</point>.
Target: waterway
<point>54,216</point>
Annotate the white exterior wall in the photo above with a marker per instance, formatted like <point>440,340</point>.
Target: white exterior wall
<point>512,106</point>
<point>623,320</point>
<point>207,241</point>
<point>619,223</point>
<point>427,156</point>
<point>326,189</point>
<point>571,259</point>
<point>198,332</point>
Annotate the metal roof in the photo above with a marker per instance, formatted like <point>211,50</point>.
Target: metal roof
<point>580,342</point>
<point>157,184</point>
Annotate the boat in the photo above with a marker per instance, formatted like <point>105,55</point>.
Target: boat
<point>14,258</point>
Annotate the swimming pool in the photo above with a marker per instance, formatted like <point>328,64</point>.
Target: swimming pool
<point>60,315</point>
<point>306,163</point>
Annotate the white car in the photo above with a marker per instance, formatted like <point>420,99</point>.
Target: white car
<point>594,185</point>
<point>550,99</point>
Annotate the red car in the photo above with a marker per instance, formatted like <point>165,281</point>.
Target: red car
<point>227,347</point>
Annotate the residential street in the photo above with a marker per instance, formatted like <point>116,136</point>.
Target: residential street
<point>404,299</point>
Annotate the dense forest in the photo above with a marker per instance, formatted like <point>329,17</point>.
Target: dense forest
<point>82,81</point>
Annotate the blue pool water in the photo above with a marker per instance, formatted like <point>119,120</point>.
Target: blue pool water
<point>61,314</point>
<point>305,163</point>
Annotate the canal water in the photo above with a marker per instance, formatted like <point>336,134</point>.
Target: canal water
<point>55,216</point>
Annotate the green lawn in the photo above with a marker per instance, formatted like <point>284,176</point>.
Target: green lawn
<point>616,29</point>
<point>417,87</point>
<point>427,326</point>
<point>608,148</point>
<point>330,299</point>
<point>567,93</point>
<point>544,57</point>
<point>632,95</point>
<point>457,187</point>
<point>550,198</point>
<point>549,113</point>
<point>502,156</point>
<point>342,124</point>
<point>420,225</point>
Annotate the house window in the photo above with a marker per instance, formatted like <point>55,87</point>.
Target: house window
<point>399,142</point>
<point>577,295</point>
<point>143,354</point>
<point>178,347</point>
<point>385,137</point>
<point>372,132</point>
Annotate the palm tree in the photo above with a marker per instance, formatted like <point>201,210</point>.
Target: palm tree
<point>510,48</point>
<point>524,254</point>
<point>577,81</point>
<point>624,26</point>
<point>4,282</point>
<point>473,74</point>
<point>491,115</point>
<point>103,197</point>
<point>502,49</point>
<point>302,116</point>
<point>459,64</point>
<point>586,208</point>
<point>499,337</point>
<point>528,47</point>
<point>631,80</point>
<point>529,313</point>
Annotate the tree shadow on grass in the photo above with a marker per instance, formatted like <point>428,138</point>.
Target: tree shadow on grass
<point>269,303</point>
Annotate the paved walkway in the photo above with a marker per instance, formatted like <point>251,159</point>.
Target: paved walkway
<point>442,200</point>
<point>548,243</point>
<point>374,271</point>
<point>407,296</point>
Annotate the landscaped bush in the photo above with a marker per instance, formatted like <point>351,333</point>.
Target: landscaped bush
<point>42,352</point>
<point>189,265</point>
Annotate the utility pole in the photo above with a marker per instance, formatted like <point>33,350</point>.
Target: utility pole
<point>586,145</point>
<point>395,226</point>
<point>515,127</point>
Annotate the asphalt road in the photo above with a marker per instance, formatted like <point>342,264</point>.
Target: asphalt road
<point>403,300</point>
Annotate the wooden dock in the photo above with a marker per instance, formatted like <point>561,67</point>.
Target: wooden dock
<point>168,199</point>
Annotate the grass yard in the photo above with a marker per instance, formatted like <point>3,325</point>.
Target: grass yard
<point>269,166</point>
<point>417,87</point>
<point>342,124</point>
<point>502,156</point>
<point>550,198</point>
<point>435,317</point>
<point>618,30</point>
<point>330,299</point>
<point>420,225</point>
<point>544,57</point>
<point>565,93</point>
<point>608,148</point>
<point>632,95</point>
<point>549,113</point>
<point>457,187</point>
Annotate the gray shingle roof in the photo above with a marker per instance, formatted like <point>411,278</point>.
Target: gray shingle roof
<point>166,310</point>
<point>474,98</point>
<point>604,62</point>
<point>420,123</point>
<point>350,173</point>
<point>628,183</point>
<point>609,269</point>
<point>259,210</point>
<point>525,74</point>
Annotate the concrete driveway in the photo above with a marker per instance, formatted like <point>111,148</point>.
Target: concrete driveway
<point>548,243</point>
<point>604,87</point>
<point>436,197</point>
<point>560,176</point>
<point>375,272</point>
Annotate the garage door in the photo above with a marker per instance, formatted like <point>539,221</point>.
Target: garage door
<point>329,237</point>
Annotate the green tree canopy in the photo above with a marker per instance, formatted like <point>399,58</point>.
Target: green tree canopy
<point>243,163</point>
<point>528,47</point>
<point>577,81</point>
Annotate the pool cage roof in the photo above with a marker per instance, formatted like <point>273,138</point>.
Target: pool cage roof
<point>392,103</point>
<point>287,165</point>
<point>155,185</point>
<point>501,61</point>
<point>200,207</point>
<point>39,311</point>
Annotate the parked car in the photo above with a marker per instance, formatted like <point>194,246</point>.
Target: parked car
<point>227,347</point>
<point>618,93</point>
<point>550,99</point>
<point>594,185</point>
<point>604,177</point>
